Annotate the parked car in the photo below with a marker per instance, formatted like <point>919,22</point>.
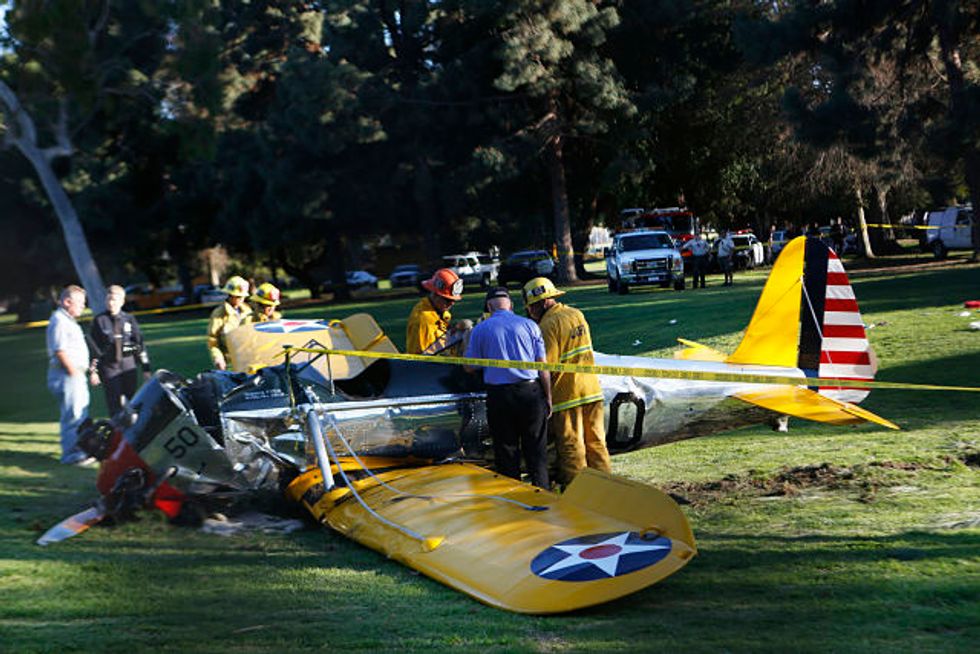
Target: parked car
<point>201,294</point>
<point>949,229</point>
<point>489,264</point>
<point>521,267</point>
<point>361,279</point>
<point>642,258</point>
<point>406,275</point>
<point>211,295</point>
<point>146,296</point>
<point>470,269</point>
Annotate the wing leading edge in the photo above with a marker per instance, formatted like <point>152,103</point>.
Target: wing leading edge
<point>508,544</point>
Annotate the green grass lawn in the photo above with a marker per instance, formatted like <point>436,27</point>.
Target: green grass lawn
<point>822,539</point>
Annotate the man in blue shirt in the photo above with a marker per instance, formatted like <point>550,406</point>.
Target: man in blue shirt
<point>518,400</point>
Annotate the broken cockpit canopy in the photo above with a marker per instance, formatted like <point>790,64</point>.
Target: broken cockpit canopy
<point>254,346</point>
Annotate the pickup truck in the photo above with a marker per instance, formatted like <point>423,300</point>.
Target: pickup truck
<point>950,229</point>
<point>472,268</point>
<point>643,257</point>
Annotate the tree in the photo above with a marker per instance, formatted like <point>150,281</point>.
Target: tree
<point>94,80</point>
<point>852,44</point>
<point>551,58</point>
<point>44,41</point>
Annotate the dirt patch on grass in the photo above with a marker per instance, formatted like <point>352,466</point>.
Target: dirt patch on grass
<point>864,480</point>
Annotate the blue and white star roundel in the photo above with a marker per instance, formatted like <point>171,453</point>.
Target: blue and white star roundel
<point>600,556</point>
<point>290,326</point>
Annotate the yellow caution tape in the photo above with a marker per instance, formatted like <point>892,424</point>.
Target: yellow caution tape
<point>141,312</point>
<point>624,371</point>
<point>883,226</point>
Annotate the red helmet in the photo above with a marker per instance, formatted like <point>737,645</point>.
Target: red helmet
<point>445,283</point>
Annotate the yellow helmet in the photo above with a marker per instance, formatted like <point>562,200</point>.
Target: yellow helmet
<point>236,286</point>
<point>266,294</point>
<point>539,288</point>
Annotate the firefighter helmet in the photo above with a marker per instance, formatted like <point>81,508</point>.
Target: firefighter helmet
<point>236,286</point>
<point>266,294</point>
<point>538,289</point>
<point>445,283</point>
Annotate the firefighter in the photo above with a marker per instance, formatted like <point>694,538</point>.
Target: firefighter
<point>576,423</point>
<point>232,313</point>
<point>118,350</point>
<point>264,302</point>
<point>430,329</point>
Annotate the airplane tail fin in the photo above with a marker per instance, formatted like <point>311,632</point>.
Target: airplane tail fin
<point>808,318</point>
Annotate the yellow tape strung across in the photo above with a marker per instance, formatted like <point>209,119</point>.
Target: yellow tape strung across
<point>623,371</point>
<point>882,226</point>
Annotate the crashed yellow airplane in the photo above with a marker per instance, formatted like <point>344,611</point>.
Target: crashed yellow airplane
<point>390,450</point>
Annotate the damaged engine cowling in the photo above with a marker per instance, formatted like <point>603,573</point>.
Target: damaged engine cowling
<point>225,433</point>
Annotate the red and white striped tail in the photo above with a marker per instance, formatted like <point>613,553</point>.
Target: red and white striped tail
<point>844,350</point>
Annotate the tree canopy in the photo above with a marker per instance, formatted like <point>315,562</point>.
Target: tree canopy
<point>295,134</point>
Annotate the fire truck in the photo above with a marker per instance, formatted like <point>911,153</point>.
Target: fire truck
<point>679,222</point>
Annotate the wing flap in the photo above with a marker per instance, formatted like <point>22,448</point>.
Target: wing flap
<point>810,405</point>
<point>511,545</point>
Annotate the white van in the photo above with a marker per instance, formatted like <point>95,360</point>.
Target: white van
<point>950,229</point>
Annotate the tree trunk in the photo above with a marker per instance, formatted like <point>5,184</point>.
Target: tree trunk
<point>581,240</point>
<point>885,243</point>
<point>428,221</point>
<point>565,271</point>
<point>943,16</point>
<point>973,181</point>
<point>25,138</point>
<point>338,270</point>
<point>862,223</point>
<point>75,241</point>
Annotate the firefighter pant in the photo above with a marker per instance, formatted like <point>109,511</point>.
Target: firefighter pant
<point>518,415</point>
<point>580,439</point>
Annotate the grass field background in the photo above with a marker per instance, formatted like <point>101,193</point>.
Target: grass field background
<point>822,539</point>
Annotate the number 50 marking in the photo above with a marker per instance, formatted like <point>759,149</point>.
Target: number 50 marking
<point>177,445</point>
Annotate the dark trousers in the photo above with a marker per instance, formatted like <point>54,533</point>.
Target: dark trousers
<point>699,265</point>
<point>119,388</point>
<point>518,417</point>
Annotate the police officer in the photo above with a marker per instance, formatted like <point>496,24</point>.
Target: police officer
<point>117,347</point>
<point>232,313</point>
<point>577,417</point>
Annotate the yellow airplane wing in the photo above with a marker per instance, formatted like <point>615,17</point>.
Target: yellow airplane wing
<point>508,544</point>
<point>804,403</point>
<point>694,351</point>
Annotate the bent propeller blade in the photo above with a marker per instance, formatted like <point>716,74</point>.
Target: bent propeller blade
<point>73,525</point>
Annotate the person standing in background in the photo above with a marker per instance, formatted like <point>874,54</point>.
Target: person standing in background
<point>699,248</point>
<point>68,362</point>
<point>117,346</point>
<point>232,313</point>
<point>726,250</point>
<point>265,300</point>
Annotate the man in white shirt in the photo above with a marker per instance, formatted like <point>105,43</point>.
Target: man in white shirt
<point>699,250</point>
<point>68,366</point>
<point>726,250</point>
